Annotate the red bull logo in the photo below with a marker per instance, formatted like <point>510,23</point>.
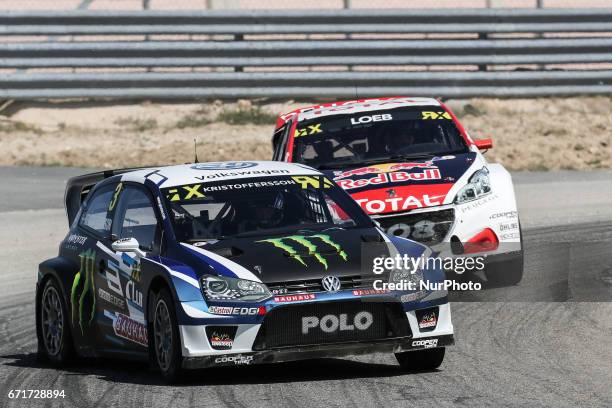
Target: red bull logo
<point>396,177</point>
<point>385,168</point>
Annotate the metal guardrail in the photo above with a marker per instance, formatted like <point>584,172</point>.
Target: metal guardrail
<point>474,42</point>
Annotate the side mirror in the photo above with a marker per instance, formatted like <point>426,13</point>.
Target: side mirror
<point>128,245</point>
<point>484,144</point>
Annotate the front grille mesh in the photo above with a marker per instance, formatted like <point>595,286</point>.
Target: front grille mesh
<point>315,285</point>
<point>282,327</point>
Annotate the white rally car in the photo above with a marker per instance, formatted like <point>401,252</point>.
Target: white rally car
<point>413,167</point>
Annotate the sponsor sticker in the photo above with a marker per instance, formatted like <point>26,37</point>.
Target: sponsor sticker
<point>237,311</point>
<point>426,343</point>
<point>221,341</point>
<point>384,168</point>
<point>130,329</point>
<point>366,292</point>
<point>294,298</point>
<point>428,320</point>
<point>411,297</point>
<point>507,214</point>
<point>237,359</point>
<point>110,298</point>
<point>396,177</point>
<point>509,226</point>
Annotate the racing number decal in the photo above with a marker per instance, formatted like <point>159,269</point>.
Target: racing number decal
<point>309,130</point>
<point>435,115</point>
<point>113,202</point>
<point>312,181</point>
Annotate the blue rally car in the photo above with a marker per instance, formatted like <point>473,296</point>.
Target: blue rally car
<point>231,263</point>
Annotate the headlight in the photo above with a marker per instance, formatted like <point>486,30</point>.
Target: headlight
<point>404,276</point>
<point>478,186</point>
<point>224,288</point>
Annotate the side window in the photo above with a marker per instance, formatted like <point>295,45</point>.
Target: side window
<point>95,216</point>
<point>135,218</point>
<point>279,154</point>
<point>277,140</point>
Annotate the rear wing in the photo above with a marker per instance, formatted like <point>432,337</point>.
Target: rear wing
<point>78,187</point>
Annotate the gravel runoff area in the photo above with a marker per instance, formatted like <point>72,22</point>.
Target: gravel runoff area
<point>529,134</point>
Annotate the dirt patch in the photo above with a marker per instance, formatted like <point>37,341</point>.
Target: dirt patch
<point>529,134</point>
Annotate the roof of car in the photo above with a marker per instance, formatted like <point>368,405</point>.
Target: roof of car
<point>355,106</point>
<point>203,173</point>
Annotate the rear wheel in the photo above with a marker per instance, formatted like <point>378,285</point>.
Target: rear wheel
<point>421,360</point>
<point>54,340</point>
<point>166,339</point>
<point>506,273</point>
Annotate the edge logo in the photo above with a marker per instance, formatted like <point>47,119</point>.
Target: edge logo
<point>223,166</point>
<point>242,311</point>
<point>306,242</point>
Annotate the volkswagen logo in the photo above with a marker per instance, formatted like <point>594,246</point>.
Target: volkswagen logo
<point>331,283</point>
<point>223,166</point>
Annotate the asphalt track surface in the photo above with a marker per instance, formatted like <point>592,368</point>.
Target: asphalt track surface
<point>546,342</point>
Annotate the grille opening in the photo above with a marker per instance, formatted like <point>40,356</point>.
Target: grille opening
<point>284,325</point>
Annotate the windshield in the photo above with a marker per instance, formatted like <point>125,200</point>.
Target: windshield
<point>369,137</point>
<point>253,207</point>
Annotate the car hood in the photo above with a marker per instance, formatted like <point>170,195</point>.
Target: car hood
<point>402,186</point>
<point>299,255</point>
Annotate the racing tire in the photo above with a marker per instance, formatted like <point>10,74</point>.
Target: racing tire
<point>53,326</point>
<point>421,360</point>
<point>166,339</point>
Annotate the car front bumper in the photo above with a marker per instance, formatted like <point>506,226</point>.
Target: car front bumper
<point>198,353</point>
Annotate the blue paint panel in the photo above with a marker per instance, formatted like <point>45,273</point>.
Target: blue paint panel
<point>219,267</point>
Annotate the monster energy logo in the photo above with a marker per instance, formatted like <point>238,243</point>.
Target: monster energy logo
<point>84,283</point>
<point>308,242</point>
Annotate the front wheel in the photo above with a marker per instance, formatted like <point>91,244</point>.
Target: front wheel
<point>421,360</point>
<point>166,339</point>
<point>53,331</point>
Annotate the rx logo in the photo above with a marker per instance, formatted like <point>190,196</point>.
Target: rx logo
<point>435,115</point>
<point>331,283</point>
<point>185,193</point>
<point>309,130</point>
<point>287,245</point>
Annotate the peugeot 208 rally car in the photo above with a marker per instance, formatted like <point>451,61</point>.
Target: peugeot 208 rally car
<point>411,166</point>
<point>230,263</point>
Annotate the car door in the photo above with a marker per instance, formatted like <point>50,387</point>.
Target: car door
<point>83,246</point>
<point>134,217</point>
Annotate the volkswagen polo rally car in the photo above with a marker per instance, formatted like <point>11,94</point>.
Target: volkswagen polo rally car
<point>412,166</point>
<point>231,263</point>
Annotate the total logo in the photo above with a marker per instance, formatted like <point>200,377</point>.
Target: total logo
<point>397,204</point>
<point>332,323</point>
<point>223,166</point>
<point>428,343</point>
<point>238,311</point>
<point>396,177</point>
